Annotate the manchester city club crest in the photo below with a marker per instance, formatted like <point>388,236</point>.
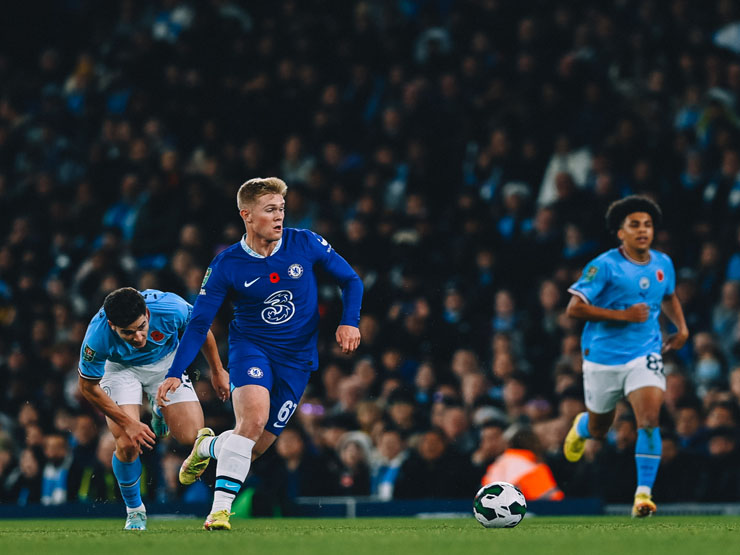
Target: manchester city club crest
<point>644,282</point>
<point>255,372</point>
<point>295,271</point>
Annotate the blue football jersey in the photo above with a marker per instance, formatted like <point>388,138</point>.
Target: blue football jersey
<point>169,316</point>
<point>275,299</point>
<point>614,281</point>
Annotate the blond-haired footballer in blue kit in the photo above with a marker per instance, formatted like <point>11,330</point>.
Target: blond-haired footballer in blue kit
<point>270,276</point>
<point>620,295</point>
<point>127,350</point>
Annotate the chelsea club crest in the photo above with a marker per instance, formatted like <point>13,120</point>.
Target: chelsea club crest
<point>295,271</point>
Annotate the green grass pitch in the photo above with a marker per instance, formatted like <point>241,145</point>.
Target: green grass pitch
<point>377,536</point>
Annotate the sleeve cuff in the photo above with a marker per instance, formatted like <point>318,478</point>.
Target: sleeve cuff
<point>580,295</point>
<point>91,378</point>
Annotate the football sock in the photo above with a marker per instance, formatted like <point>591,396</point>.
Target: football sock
<point>128,475</point>
<point>231,470</point>
<point>211,446</point>
<point>582,427</point>
<point>647,457</point>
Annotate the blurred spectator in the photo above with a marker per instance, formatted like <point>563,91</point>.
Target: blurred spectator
<point>56,470</point>
<point>354,472</point>
<point>386,463</point>
<point>521,464</point>
<point>23,485</point>
<point>719,477</point>
<point>301,475</point>
<point>433,470</point>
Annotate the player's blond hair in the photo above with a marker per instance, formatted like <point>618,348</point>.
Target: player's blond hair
<point>254,188</point>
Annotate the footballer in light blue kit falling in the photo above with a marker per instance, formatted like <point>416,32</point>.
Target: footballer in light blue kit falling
<point>612,280</point>
<point>169,316</point>
<point>127,350</point>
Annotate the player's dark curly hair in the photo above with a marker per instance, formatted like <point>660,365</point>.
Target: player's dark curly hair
<point>620,209</point>
<point>123,306</point>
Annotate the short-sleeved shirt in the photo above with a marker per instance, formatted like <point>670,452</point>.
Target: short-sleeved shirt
<point>614,281</point>
<point>169,316</point>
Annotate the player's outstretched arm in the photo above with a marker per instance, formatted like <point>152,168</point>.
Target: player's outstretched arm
<point>139,432</point>
<point>671,307</point>
<point>219,376</point>
<point>583,311</point>
<point>348,338</point>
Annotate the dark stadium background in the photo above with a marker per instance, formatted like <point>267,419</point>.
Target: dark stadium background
<point>459,154</point>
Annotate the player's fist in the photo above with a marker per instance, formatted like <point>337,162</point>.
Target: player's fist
<point>637,313</point>
<point>220,383</point>
<point>167,386</point>
<point>348,338</point>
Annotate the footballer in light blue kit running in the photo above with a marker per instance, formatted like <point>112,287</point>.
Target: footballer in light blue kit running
<point>128,348</point>
<point>620,295</point>
<point>269,275</point>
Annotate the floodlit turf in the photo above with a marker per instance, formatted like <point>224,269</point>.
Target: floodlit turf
<point>403,536</point>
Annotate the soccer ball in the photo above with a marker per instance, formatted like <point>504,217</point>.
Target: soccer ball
<point>499,505</point>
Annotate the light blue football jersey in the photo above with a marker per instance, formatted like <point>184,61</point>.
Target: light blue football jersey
<point>169,316</point>
<point>614,281</point>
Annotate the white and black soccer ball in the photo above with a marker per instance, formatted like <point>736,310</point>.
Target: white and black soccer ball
<point>499,505</point>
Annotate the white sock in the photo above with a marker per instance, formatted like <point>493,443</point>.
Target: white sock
<point>643,489</point>
<point>140,509</point>
<point>211,447</point>
<point>232,468</point>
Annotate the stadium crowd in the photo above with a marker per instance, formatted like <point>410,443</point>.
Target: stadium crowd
<point>460,154</point>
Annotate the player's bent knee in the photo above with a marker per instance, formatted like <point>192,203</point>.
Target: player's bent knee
<point>126,449</point>
<point>252,429</point>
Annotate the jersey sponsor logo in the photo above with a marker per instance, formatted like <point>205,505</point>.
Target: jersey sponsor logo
<point>295,271</point>
<point>205,278</point>
<point>660,275</point>
<point>274,277</point>
<point>250,283</point>
<point>280,308</point>
<point>590,273</point>
<point>644,282</point>
<point>157,335</point>
<point>88,353</point>
<point>255,372</point>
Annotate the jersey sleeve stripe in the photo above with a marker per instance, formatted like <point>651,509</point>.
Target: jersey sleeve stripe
<point>580,295</point>
<point>79,370</point>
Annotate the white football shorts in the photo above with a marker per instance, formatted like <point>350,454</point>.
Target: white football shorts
<point>124,384</point>
<point>604,385</point>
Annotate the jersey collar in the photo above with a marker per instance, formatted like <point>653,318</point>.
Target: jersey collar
<point>628,257</point>
<point>250,252</point>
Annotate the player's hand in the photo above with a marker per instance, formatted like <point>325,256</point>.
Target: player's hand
<point>140,434</point>
<point>637,313</point>
<point>168,386</point>
<point>220,383</point>
<point>675,341</point>
<point>348,338</point>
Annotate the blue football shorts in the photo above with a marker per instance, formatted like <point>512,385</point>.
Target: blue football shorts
<point>285,383</point>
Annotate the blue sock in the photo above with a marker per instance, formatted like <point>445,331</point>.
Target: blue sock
<point>647,456</point>
<point>582,426</point>
<point>128,475</point>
